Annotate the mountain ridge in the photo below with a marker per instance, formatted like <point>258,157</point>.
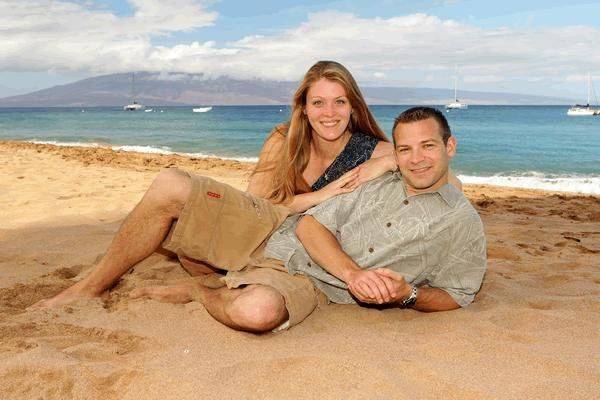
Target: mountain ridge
<point>180,89</point>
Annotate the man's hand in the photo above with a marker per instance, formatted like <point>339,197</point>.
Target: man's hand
<point>402,288</point>
<point>378,286</point>
<point>429,298</point>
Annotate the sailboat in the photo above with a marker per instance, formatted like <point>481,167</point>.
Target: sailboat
<point>133,106</point>
<point>456,104</point>
<point>580,110</point>
<point>201,109</point>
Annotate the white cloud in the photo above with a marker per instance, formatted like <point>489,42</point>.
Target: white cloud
<point>483,79</point>
<point>59,35</point>
<point>50,35</point>
<point>581,77</point>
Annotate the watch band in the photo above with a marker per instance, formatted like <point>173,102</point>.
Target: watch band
<point>410,300</point>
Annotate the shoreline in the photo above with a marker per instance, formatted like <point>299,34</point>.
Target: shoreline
<point>99,154</point>
<point>106,155</point>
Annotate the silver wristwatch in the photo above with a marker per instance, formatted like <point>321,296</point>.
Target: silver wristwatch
<point>410,300</point>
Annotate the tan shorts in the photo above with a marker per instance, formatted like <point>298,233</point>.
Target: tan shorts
<point>228,229</point>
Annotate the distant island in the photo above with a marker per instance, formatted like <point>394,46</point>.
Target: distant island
<point>179,89</point>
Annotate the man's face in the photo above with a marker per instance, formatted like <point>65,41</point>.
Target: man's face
<point>422,156</point>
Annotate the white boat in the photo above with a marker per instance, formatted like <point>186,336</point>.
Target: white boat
<point>148,110</point>
<point>579,110</point>
<point>201,109</point>
<point>456,104</point>
<point>133,106</point>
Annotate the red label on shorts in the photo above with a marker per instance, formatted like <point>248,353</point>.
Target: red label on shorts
<point>215,195</point>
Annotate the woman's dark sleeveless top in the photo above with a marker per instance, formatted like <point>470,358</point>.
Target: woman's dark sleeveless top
<point>358,150</point>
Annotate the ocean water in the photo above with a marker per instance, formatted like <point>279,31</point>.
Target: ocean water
<point>518,146</point>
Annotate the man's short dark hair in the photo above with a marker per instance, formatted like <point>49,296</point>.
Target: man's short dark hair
<point>422,113</point>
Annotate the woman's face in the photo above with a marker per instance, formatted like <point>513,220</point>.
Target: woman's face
<point>328,109</point>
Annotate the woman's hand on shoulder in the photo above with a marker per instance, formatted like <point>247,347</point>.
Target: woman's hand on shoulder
<point>374,168</point>
<point>382,160</point>
<point>304,201</point>
<point>344,184</point>
<point>382,149</point>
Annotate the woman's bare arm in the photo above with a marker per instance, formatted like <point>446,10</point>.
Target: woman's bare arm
<point>262,179</point>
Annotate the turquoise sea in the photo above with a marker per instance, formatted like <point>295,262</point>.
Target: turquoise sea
<point>519,146</point>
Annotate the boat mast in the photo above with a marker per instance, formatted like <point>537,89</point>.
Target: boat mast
<point>455,83</point>
<point>133,88</point>
<point>589,88</point>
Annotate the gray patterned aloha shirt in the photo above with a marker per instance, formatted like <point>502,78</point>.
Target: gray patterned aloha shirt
<point>434,239</point>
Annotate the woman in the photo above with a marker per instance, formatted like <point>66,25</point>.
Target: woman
<point>331,131</point>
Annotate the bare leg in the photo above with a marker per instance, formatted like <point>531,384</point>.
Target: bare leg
<point>176,294</point>
<point>254,308</point>
<point>139,236</point>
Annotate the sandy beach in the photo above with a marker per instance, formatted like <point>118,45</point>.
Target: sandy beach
<point>532,333</point>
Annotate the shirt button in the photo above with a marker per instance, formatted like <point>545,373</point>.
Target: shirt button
<point>371,250</point>
<point>405,202</point>
<point>388,224</point>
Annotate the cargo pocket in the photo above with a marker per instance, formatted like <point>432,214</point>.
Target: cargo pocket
<point>244,223</point>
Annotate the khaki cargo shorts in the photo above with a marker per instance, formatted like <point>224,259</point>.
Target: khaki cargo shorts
<point>228,229</point>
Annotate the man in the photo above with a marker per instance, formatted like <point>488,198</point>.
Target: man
<point>409,241</point>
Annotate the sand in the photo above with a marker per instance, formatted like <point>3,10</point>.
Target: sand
<point>532,332</point>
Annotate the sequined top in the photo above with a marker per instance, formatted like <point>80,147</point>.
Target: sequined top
<point>358,150</point>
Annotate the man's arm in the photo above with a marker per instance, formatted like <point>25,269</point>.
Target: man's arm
<point>429,299</point>
<point>434,299</point>
<point>323,247</point>
<point>462,269</point>
<point>378,286</point>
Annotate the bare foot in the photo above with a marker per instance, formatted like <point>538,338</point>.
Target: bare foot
<point>167,294</point>
<point>67,296</point>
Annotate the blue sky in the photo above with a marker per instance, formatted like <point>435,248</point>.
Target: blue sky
<point>537,47</point>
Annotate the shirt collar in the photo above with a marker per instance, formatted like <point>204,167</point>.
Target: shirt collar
<point>449,193</point>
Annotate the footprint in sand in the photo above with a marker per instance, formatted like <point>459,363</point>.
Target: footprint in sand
<point>83,344</point>
<point>502,253</point>
<point>24,383</point>
<point>553,281</point>
<point>67,272</point>
<point>586,250</point>
<point>67,197</point>
<point>543,304</point>
<point>65,381</point>
<point>16,298</point>
<point>524,210</point>
<point>570,236</point>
